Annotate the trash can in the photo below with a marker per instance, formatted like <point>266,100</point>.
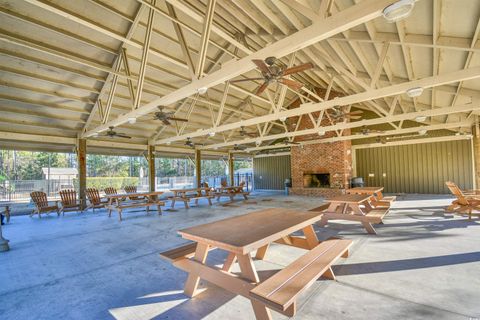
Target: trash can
<point>356,182</point>
<point>288,184</point>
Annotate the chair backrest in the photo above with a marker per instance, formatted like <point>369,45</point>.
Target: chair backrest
<point>130,189</point>
<point>223,183</point>
<point>68,196</point>
<point>242,184</point>
<point>205,185</point>
<point>110,190</point>
<point>39,198</point>
<point>455,190</point>
<point>93,195</point>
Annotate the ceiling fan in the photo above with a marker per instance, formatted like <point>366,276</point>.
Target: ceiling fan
<point>366,131</point>
<point>272,72</point>
<point>239,147</point>
<point>166,117</point>
<point>191,144</point>
<point>112,134</point>
<point>244,133</point>
<point>338,114</point>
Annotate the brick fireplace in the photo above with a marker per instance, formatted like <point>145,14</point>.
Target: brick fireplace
<point>319,169</point>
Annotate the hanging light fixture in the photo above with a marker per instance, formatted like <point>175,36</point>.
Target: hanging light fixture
<point>398,10</point>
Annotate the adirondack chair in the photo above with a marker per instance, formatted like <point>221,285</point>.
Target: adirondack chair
<point>69,201</point>
<point>132,189</point>
<point>110,190</point>
<point>40,200</point>
<point>95,200</point>
<point>465,203</point>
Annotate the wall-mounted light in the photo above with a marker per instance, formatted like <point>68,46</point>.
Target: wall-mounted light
<point>168,143</point>
<point>398,10</point>
<point>321,133</point>
<point>422,132</point>
<point>212,134</point>
<point>420,118</point>
<point>283,119</point>
<point>132,120</point>
<point>414,92</point>
<point>202,90</point>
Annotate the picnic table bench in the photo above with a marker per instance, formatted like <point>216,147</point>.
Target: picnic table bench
<point>242,235</point>
<point>117,202</point>
<point>354,207</point>
<point>377,199</point>
<point>186,195</point>
<point>231,192</point>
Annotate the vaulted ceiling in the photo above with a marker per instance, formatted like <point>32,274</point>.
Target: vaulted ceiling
<point>73,68</point>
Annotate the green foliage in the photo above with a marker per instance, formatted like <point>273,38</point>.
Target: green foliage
<point>117,182</point>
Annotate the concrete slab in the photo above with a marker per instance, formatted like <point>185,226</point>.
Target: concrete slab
<point>422,264</point>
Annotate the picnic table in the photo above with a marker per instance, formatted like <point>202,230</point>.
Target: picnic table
<point>231,192</point>
<point>242,235</point>
<point>196,194</point>
<point>353,207</point>
<point>377,199</point>
<point>118,202</point>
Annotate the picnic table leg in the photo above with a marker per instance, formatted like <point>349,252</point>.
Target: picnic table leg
<point>231,258</point>
<point>7,213</point>
<point>186,203</point>
<point>331,208</point>
<point>248,271</point>
<point>261,252</point>
<point>191,284</point>
<point>159,209</point>
<point>310,236</point>
<point>367,225</point>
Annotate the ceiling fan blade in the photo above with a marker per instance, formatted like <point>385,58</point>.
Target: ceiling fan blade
<point>122,135</point>
<point>262,66</point>
<point>298,68</point>
<point>178,119</point>
<point>354,117</point>
<point>251,134</point>
<point>355,112</point>
<point>166,122</point>
<point>246,79</point>
<point>262,88</point>
<point>292,84</point>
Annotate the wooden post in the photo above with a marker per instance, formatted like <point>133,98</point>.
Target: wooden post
<point>82,171</point>
<point>198,168</point>
<point>230,168</point>
<point>476,156</point>
<point>151,168</point>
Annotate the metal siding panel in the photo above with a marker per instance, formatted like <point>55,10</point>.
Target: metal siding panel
<point>274,171</point>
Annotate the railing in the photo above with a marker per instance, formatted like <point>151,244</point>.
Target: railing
<point>19,190</point>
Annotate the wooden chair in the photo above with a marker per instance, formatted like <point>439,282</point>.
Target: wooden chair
<point>132,189</point>
<point>69,201</point>
<point>465,203</point>
<point>40,200</point>
<point>95,200</point>
<point>110,190</point>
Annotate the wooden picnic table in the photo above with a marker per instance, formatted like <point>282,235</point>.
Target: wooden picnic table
<point>377,199</point>
<point>196,194</point>
<point>240,236</point>
<point>118,202</point>
<point>353,207</point>
<point>231,192</point>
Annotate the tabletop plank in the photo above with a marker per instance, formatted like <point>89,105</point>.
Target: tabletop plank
<point>370,190</point>
<point>137,194</point>
<point>349,198</point>
<point>246,233</point>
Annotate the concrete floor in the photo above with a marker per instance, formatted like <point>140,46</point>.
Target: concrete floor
<point>423,264</point>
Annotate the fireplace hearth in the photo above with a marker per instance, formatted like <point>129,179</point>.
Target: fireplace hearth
<point>316,180</point>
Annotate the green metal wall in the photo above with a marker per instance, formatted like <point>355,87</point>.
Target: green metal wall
<point>269,173</point>
<point>417,168</point>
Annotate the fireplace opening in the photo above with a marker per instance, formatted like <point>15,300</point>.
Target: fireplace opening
<point>316,180</point>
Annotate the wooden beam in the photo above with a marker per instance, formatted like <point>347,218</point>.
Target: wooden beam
<point>143,64</point>
<point>82,171</point>
<point>207,25</point>
<point>428,82</point>
<point>231,169</point>
<point>318,31</point>
<point>198,168</point>
<point>379,67</point>
<point>151,168</point>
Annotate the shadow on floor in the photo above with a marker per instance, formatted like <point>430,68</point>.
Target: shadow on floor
<point>406,264</point>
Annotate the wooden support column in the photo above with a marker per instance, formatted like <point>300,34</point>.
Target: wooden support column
<point>230,168</point>
<point>82,171</point>
<point>198,167</point>
<point>476,155</point>
<point>151,168</point>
